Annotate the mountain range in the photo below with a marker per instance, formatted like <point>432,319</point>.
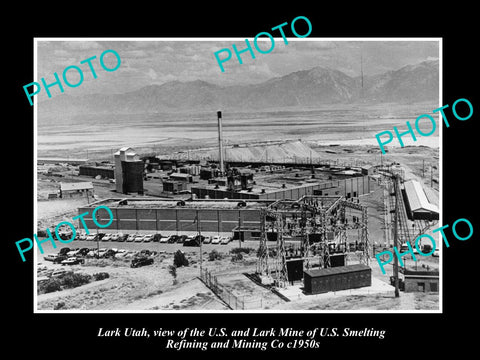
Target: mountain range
<point>302,89</point>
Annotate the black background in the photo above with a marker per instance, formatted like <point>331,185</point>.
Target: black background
<point>407,334</point>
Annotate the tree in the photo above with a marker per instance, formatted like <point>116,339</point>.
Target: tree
<point>179,259</point>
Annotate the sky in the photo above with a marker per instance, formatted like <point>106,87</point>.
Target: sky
<point>146,62</point>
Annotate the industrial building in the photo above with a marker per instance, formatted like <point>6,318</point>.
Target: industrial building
<point>164,216</point>
<point>129,169</point>
<point>422,281</point>
<point>78,189</point>
<point>93,170</point>
<point>174,187</point>
<point>351,187</point>
<point>417,204</point>
<point>337,278</point>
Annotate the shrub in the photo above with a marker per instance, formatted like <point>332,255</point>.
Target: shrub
<point>60,305</point>
<point>214,255</point>
<point>179,259</point>
<point>51,285</point>
<point>101,276</point>
<point>72,280</point>
<point>239,250</point>
<point>237,257</point>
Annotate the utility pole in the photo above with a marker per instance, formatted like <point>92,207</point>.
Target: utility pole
<point>395,235</point>
<point>239,231</point>
<point>98,240</point>
<point>431,176</point>
<point>220,142</point>
<point>200,238</point>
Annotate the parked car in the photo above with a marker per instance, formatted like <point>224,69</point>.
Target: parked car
<point>102,252</point>
<point>225,240</point>
<point>91,237</point>
<point>148,238</point>
<point>130,237</point>
<point>120,253</point>
<point>199,238</point>
<point>173,239</point>
<point>122,237</point>
<point>181,239</point>
<point>83,251</point>
<point>107,237</point>
<point>207,240</point>
<point>109,253</point>
<point>141,262</point>
<point>65,234</point>
<point>50,257</point>
<point>436,253</point>
<point>59,272</point>
<point>192,242</point>
<point>165,239</point>
<point>73,261</point>
<point>157,237</point>
<point>64,251</point>
<point>59,259</point>
<point>82,236</point>
<point>216,240</point>
<point>139,238</point>
<point>72,253</point>
<point>144,252</point>
<point>130,254</point>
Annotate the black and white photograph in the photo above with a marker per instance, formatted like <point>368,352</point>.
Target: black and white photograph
<point>207,179</point>
<point>227,186</point>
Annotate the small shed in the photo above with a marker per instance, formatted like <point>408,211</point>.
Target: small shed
<point>174,186</point>
<point>421,281</point>
<point>337,278</point>
<point>181,177</point>
<point>75,189</point>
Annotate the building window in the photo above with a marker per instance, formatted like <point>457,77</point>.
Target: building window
<point>421,286</point>
<point>434,287</point>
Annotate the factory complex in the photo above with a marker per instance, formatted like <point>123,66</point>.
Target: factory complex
<point>314,224</point>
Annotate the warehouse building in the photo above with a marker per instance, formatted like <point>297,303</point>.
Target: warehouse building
<point>417,204</point>
<point>350,187</point>
<point>337,278</point>
<point>169,216</point>
<point>104,171</point>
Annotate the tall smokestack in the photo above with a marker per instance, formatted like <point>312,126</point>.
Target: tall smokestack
<point>220,142</point>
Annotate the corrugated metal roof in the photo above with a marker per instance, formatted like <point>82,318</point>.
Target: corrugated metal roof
<point>416,197</point>
<point>337,270</point>
<point>76,186</point>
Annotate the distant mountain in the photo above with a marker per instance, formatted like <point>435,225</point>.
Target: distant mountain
<point>411,83</point>
<point>306,88</point>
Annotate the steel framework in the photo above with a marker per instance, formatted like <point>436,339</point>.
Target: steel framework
<point>322,225</point>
